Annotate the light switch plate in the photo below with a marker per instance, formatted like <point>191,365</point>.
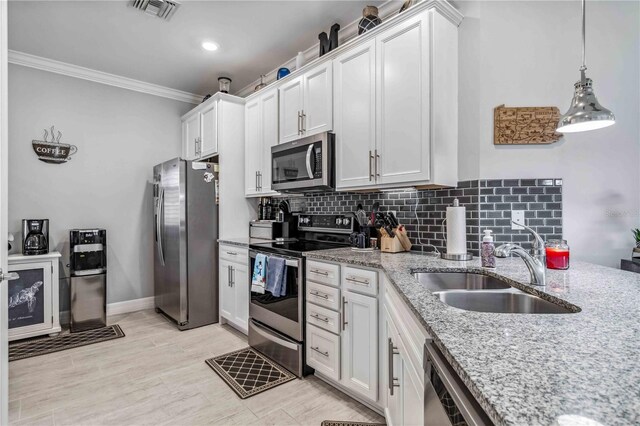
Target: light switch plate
<point>518,217</point>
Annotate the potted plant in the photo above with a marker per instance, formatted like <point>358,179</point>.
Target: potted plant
<point>636,249</point>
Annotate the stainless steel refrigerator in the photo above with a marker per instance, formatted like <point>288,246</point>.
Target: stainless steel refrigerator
<point>185,243</point>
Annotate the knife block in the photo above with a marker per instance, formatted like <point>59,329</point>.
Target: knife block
<point>390,245</point>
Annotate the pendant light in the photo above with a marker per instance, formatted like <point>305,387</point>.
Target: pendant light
<point>585,112</point>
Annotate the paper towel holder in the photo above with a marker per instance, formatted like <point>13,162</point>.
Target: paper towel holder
<point>459,257</point>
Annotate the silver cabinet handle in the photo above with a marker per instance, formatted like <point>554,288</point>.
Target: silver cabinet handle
<point>393,381</point>
<point>260,181</point>
<point>232,253</point>
<point>9,276</point>
<point>377,161</point>
<point>256,180</point>
<point>344,313</point>
<point>317,349</point>
<point>371,175</point>
<point>299,122</point>
<point>318,317</point>
<point>318,294</point>
<point>355,281</point>
<point>229,276</point>
<point>315,271</point>
<point>233,276</point>
<point>304,119</point>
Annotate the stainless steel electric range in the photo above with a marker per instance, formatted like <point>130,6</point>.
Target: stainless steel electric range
<point>277,323</point>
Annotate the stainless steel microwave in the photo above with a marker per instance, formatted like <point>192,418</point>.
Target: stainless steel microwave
<point>304,165</point>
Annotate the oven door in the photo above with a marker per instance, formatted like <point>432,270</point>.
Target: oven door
<point>303,164</point>
<point>282,313</point>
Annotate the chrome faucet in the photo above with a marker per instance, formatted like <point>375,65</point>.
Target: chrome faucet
<point>536,261</point>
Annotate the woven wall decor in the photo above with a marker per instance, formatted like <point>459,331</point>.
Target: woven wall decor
<point>525,125</point>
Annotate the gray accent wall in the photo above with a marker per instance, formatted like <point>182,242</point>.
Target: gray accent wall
<point>120,135</point>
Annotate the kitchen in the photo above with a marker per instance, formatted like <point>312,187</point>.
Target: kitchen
<point>359,339</point>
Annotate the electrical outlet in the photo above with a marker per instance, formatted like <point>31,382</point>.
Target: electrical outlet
<point>394,212</point>
<point>518,217</point>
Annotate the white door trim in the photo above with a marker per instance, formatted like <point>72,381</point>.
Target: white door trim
<point>4,217</point>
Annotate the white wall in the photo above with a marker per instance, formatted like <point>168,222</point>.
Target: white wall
<point>120,136</point>
<point>527,53</point>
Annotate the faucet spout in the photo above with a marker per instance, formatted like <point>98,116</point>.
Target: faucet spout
<point>537,267</point>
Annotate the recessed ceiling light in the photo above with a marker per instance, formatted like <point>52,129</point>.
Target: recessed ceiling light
<point>209,45</point>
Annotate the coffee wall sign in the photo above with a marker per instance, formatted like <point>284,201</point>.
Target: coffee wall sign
<point>53,151</point>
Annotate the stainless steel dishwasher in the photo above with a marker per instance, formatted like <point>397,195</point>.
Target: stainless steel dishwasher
<point>447,401</point>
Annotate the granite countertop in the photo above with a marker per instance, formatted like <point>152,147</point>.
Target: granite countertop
<point>527,369</point>
<point>242,242</point>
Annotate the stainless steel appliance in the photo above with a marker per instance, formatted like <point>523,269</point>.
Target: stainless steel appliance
<point>447,401</point>
<point>35,236</point>
<point>276,325</point>
<point>88,281</point>
<point>186,248</point>
<point>304,165</point>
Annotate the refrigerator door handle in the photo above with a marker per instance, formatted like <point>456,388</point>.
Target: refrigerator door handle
<point>159,230</point>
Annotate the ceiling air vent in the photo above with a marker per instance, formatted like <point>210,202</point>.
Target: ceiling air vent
<point>163,9</point>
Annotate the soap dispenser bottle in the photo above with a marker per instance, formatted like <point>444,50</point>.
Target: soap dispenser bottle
<point>488,256</point>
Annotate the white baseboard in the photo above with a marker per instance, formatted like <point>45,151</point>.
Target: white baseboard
<point>130,306</point>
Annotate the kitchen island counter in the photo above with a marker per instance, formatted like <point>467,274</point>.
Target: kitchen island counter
<point>532,369</point>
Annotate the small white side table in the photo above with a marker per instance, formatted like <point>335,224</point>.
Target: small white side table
<point>34,299</point>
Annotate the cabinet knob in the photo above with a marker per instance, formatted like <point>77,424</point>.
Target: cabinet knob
<point>10,276</point>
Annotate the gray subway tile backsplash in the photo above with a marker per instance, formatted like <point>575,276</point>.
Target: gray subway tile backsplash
<point>489,203</point>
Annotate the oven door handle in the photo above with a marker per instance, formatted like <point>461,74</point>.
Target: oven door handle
<point>309,170</point>
<point>270,336</point>
<point>289,261</point>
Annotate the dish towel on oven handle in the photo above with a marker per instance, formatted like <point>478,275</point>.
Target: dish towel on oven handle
<point>258,278</point>
<point>276,275</point>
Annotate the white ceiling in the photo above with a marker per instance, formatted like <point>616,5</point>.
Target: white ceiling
<point>254,37</point>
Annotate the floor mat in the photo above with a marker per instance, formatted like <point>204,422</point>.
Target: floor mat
<point>341,423</point>
<point>46,345</point>
<point>248,373</point>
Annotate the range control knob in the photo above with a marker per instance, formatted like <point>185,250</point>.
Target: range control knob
<point>338,221</point>
<point>345,221</point>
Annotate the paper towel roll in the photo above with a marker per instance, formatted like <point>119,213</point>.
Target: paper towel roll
<point>456,230</point>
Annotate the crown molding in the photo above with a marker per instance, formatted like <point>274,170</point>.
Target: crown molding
<point>387,11</point>
<point>70,70</point>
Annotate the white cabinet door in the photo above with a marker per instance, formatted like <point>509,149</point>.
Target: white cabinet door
<point>402,102</point>
<point>360,343</point>
<point>317,114</point>
<point>252,146</point>
<point>354,114</point>
<point>392,365</point>
<point>240,284</point>
<point>269,120</point>
<point>209,138</point>
<point>291,106</point>
<point>191,136</point>
<point>411,393</point>
<point>227,294</point>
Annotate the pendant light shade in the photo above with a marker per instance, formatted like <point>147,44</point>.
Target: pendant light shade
<point>585,112</point>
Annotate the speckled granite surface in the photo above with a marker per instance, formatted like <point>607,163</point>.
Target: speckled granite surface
<point>242,242</point>
<point>531,369</point>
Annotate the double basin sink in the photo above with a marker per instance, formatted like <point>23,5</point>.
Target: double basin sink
<point>482,293</point>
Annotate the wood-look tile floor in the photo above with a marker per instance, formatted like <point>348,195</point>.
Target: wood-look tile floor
<point>157,375</point>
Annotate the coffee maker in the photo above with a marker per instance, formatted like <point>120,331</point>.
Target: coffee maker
<point>35,236</point>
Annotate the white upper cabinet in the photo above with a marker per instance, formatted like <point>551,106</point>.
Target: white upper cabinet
<point>291,110</point>
<point>306,104</point>
<point>261,133</point>
<point>396,105</point>
<point>252,146</point>
<point>402,102</point>
<point>354,108</point>
<point>200,131</point>
<point>317,114</point>
<point>209,139</point>
<point>191,136</point>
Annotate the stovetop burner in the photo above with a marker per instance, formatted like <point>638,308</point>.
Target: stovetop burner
<point>296,248</point>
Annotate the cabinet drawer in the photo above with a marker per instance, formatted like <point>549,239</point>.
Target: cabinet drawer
<point>323,318</point>
<point>323,295</point>
<point>234,254</point>
<point>323,352</point>
<point>360,280</point>
<point>324,273</point>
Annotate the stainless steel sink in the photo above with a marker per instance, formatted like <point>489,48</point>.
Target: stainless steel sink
<point>440,281</point>
<point>505,302</point>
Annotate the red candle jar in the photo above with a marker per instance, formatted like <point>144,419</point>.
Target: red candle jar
<point>557,254</point>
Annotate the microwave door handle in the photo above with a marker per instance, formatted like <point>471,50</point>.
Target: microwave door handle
<point>309,152</point>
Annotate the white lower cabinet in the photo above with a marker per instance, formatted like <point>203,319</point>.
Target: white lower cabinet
<point>323,352</point>
<point>360,343</point>
<point>234,287</point>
